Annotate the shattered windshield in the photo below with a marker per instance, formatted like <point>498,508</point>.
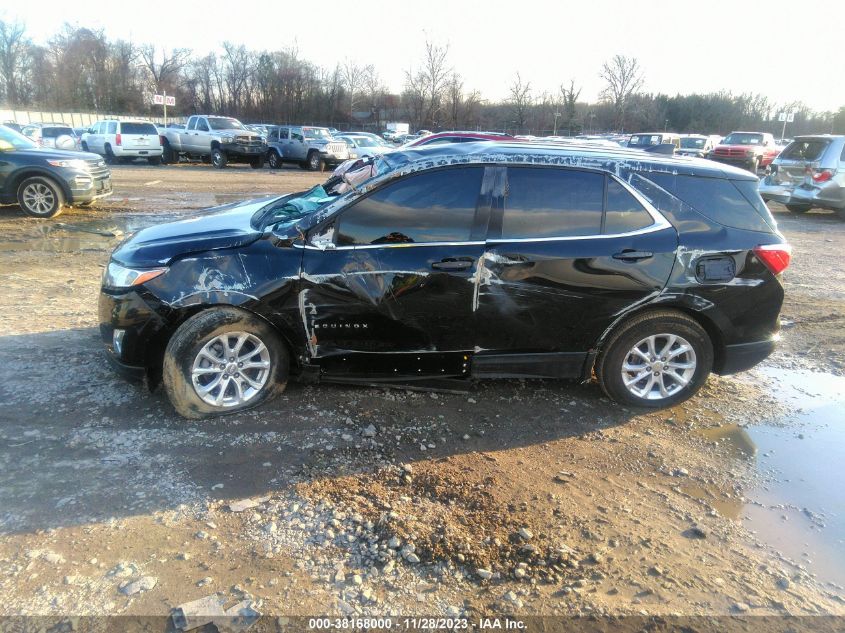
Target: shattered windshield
<point>287,210</point>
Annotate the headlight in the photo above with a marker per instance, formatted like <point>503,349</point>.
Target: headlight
<point>117,276</point>
<point>227,139</point>
<point>353,155</point>
<point>74,163</point>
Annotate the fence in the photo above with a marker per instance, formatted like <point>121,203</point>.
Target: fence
<point>73,119</point>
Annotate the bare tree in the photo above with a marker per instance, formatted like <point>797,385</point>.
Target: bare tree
<point>353,80</point>
<point>163,67</point>
<point>13,51</point>
<point>623,77</point>
<point>520,101</point>
<point>425,89</point>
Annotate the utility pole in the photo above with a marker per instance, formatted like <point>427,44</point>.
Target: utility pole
<point>557,114</point>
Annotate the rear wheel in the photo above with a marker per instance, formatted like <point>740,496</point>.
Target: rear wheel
<point>257,163</point>
<point>154,160</point>
<point>218,158</point>
<point>111,159</point>
<point>84,146</point>
<point>221,361</point>
<point>167,155</point>
<point>798,208</point>
<point>655,360</point>
<point>40,197</point>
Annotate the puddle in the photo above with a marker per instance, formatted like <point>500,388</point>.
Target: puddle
<point>798,504</point>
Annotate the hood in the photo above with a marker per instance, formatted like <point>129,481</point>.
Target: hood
<point>49,153</point>
<point>236,132</point>
<point>224,227</point>
<point>738,147</point>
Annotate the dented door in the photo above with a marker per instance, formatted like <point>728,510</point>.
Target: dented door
<point>394,273</point>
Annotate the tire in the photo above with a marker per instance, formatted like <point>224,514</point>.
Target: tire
<point>754,166</point>
<point>257,163</point>
<point>314,162</point>
<point>154,160</point>
<point>201,332</point>
<point>617,353</point>
<point>111,159</point>
<point>218,158</point>
<point>798,208</point>
<point>274,160</point>
<point>41,197</point>
<point>167,154</point>
<point>303,165</point>
<point>84,146</point>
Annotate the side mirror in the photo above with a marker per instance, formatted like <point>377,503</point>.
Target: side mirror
<point>6,146</point>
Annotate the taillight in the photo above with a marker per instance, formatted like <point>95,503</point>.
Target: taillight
<point>775,256</point>
<point>822,175</point>
<point>161,140</point>
<point>117,139</point>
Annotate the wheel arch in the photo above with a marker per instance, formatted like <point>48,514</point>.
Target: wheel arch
<point>13,182</point>
<point>705,320</point>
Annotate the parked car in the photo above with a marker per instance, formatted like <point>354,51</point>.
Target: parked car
<point>43,180</point>
<point>809,173</point>
<point>751,150</point>
<point>117,140</point>
<point>17,127</point>
<point>545,261</point>
<point>55,135</point>
<point>698,145</point>
<point>308,146</point>
<point>218,139</point>
<point>661,142</point>
<point>442,138</point>
<point>364,145</point>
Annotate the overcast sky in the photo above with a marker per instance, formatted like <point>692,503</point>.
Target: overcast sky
<point>772,47</point>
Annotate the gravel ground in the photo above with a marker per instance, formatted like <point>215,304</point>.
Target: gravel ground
<point>529,497</point>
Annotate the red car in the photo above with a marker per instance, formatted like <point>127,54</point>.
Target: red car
<point>441,138</point>
<point>751,150</point>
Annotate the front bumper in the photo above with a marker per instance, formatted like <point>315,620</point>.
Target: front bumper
<point>140,323</point>
<point>85,187</point>
<point>745,355</point>
<point>333,158</point>
<point>733,160</point>
<point>244,151</point>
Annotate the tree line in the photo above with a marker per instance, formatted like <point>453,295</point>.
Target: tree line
<point>80,69</point>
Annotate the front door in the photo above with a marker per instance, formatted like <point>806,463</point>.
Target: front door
<point>568,251</point>
<point>392,294</point>
<point>296,145</point>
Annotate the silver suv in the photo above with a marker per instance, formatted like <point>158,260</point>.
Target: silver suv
<point>310,147</point>
<point>809,173</point>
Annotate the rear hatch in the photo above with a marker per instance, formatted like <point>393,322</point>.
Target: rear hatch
<point>138,135</point>
<point>800,158</point>
<point>58,137</point>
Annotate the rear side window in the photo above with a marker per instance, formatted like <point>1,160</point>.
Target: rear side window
<point>112,127</point>
<point>546,202</point>
<point>434,206</point>
<point>810,149</point>
<point>623,212</point>
<point>731,203</point>
<point>55,132</point>
<point>138,128</point>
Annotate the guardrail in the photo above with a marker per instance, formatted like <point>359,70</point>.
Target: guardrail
<point>73,119</point>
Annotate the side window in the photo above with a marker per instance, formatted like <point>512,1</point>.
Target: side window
<point>296,136</point>
<point>623,212</point>
<point>549,202</point>
<point>192,123</point>
<point>273,135</point>
<point>202,126</point>
<point>97,129</point>
<point>112,127</point>
<point>434,206</point>
<point>283,134</point>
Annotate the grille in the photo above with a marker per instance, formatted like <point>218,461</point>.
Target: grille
<point>97,168</point>
<point>250,141</point>
<point>336,148</point>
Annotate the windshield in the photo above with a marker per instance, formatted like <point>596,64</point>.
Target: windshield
<point>223,123</point>
<point>743,138</point>
<point>316,133</point>
<point>641,140</point>
<point>363,141</point>
<point>692,143</point>
<point>288,209</point>
<point>18,141</point>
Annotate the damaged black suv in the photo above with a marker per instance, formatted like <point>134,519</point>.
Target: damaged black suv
<point>478,260</point>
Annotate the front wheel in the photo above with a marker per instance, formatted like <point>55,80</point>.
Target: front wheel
<point>315,163</point>
<point>221,361</point>
<point>40,197</point>
<point>274,160</point>
<point>798,208</point>
<point>218,158</point>
<point>655,360</point>
<point>110,158</point>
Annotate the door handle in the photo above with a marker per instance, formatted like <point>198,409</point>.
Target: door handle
<point>630,255</point>
<point>452,264</point>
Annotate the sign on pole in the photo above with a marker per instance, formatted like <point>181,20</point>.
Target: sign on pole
<point>790,117</point>
<point>171,101</point>
<point>781,115</point>
<point>158,99</point>
<point>164,101</point>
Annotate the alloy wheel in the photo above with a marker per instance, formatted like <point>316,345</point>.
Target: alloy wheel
<point>231,369</point>
<point>38,198</point>
<point>659,366</point>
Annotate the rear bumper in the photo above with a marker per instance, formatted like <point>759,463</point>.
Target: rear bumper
<point>745,356</point>
<point>145,152</point>
<point>829,195</point>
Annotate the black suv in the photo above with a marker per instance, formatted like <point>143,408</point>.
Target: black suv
<point>43,180</point>
<point>473,260</point>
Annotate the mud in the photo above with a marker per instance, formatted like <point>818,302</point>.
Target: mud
<point>678,511</point>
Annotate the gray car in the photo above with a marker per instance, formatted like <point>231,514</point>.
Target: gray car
<point>310,147</point>
<point>809,173</point>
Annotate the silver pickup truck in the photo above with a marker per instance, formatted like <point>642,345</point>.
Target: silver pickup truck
<point>310,147</point>
<point>217,139</point>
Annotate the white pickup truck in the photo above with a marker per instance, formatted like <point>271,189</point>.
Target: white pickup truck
<point>218,139</point>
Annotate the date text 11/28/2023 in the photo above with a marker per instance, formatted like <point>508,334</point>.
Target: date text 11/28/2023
<point>415,624</point>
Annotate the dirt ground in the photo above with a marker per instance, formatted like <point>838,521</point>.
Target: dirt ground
<point>529,497</point>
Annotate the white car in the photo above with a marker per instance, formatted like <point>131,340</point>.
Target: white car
<point>53,135</point>
<point>363,145</point>
<point>118,140</point>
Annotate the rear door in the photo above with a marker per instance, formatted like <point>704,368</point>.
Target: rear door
<point>799,156</point>
<point>568,251</point>
<point>393,294</point>
<point>139,136</point>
